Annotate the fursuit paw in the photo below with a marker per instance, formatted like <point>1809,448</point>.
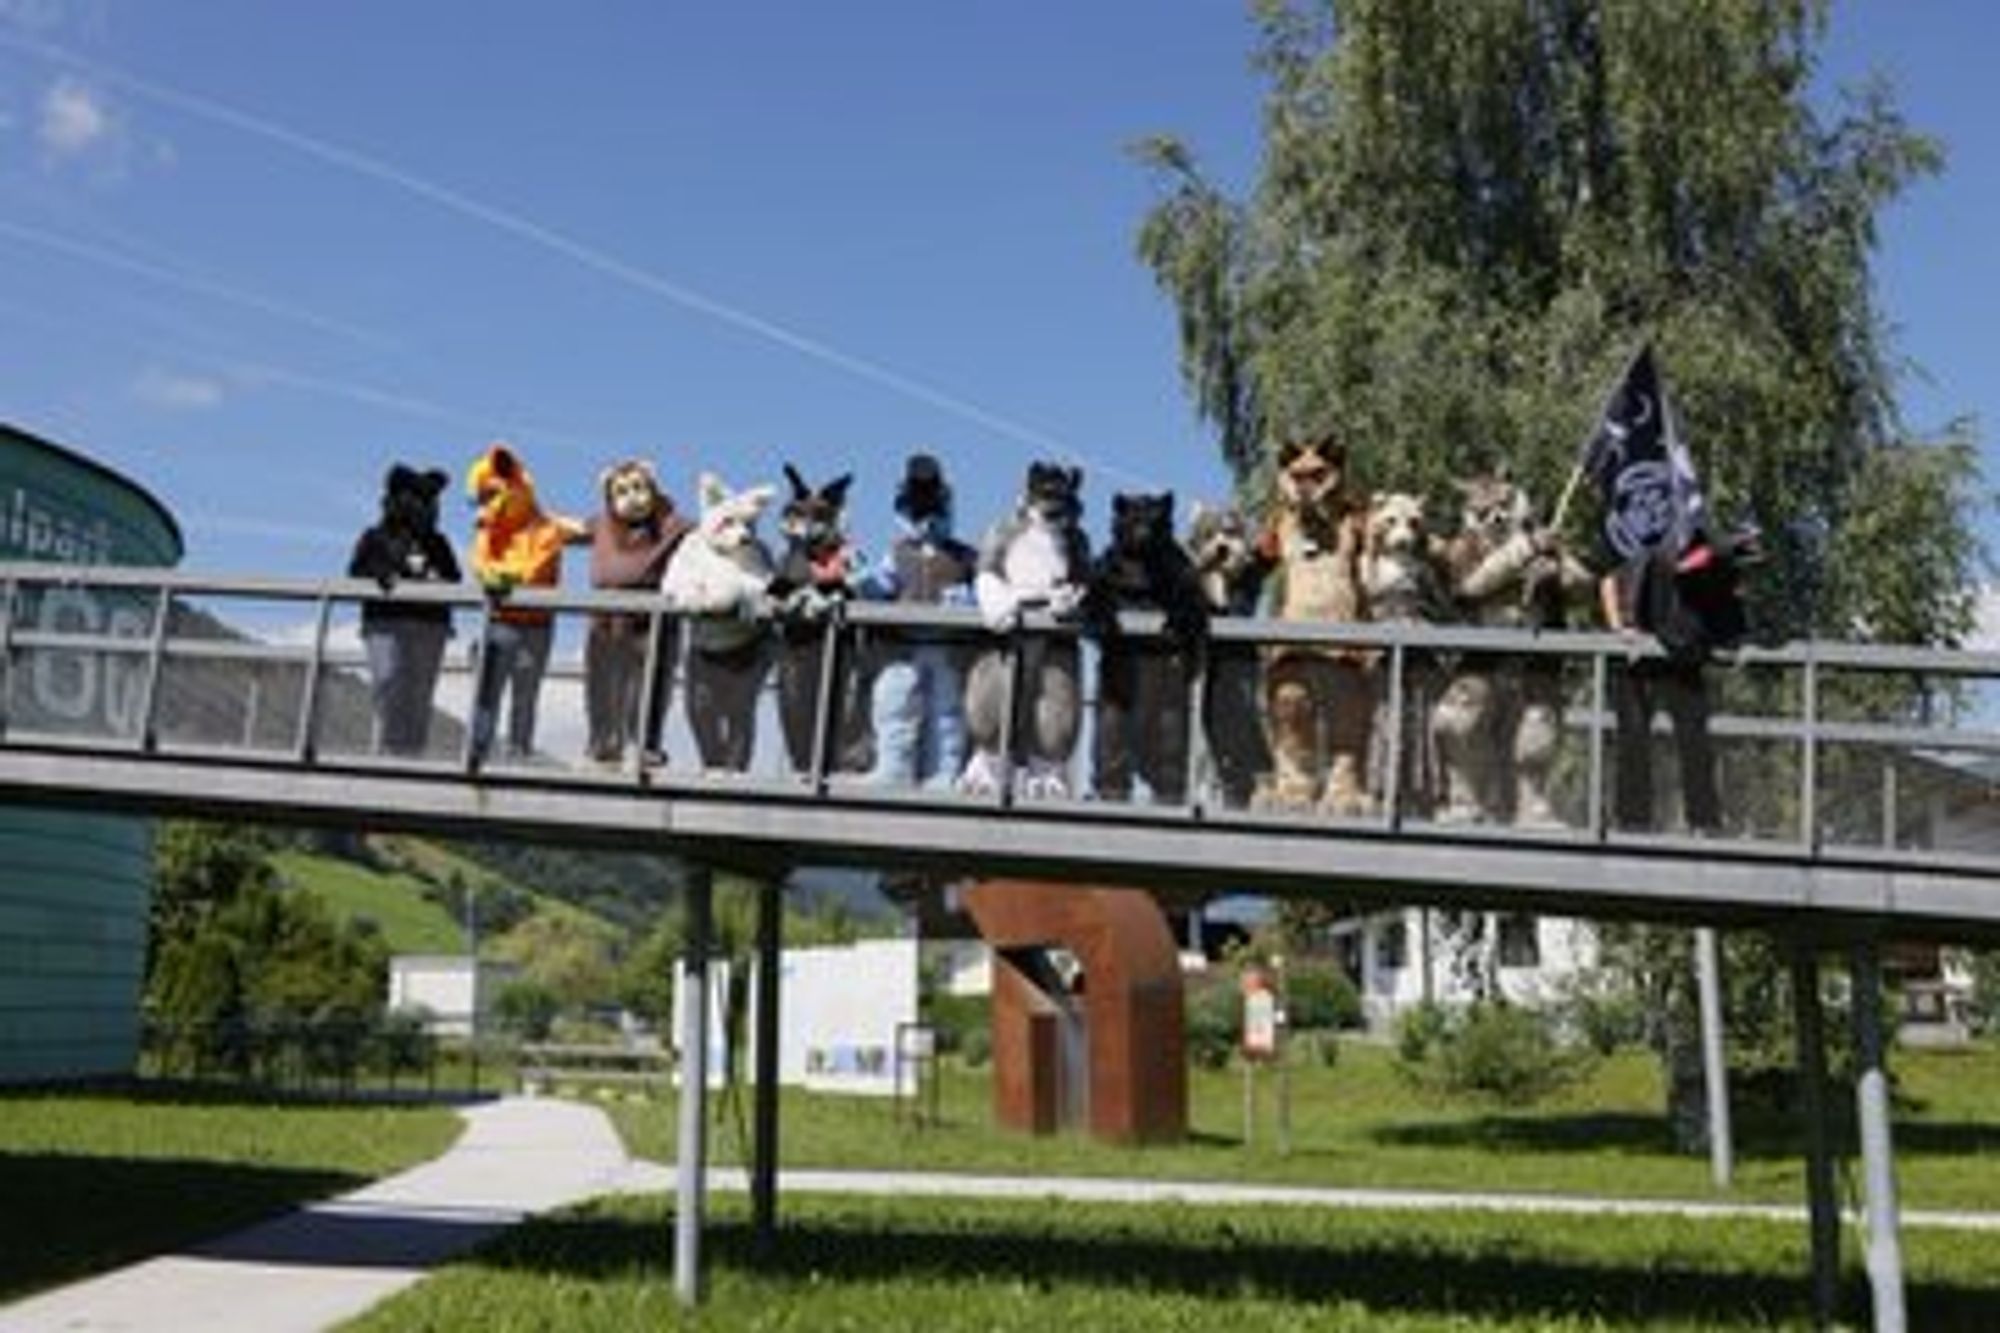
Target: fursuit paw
<point>982,775</point>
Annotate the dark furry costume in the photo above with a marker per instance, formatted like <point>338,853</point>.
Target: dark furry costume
<point>818,570</point>
<point>1142,692</point>
<point>405,641</point>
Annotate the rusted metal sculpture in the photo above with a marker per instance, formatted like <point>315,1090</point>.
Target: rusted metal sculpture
<point>1104,1050</point>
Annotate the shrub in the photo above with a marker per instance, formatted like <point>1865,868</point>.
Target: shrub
<point>1212,1022</point>
<point>1490,1049</point>
<point>526,1009</point>
<point>956,1018</point>
<point>1319,995</point>
<point>1985,1013</point>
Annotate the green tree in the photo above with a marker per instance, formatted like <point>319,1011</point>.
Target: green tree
<point>1468,216</point>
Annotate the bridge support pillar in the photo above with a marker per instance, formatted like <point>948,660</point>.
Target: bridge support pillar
<point>764,1115</point>
<point>1822,1209</point>
<point>1714,1066</point>
<point>691,1158</point>
<point>1884,1248</point>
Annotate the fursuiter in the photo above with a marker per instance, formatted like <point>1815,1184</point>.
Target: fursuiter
<point>1319,702</point>
<point>818,570</point>
<point>631,540</point>
<point>1400,560</point>
<point>1497,724</point>
<point>515,544</point>
<point>405,640</point>
<point>1230,573</point>
<point>918,699</point>
<point>1035,558</point>
<point>1142,684</point>
<point>721,573</point>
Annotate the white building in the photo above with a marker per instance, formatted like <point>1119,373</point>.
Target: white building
<point>443,988</point>
<point>1404,957</point>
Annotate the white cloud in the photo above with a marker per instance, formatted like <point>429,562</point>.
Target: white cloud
<point>74,119</point>
<point>177,392</point>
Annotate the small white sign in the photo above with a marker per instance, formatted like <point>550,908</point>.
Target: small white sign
<point>1260,1022</point>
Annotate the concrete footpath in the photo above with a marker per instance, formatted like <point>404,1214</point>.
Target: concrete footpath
<point>330,1261</point>
<point>652,1177</point>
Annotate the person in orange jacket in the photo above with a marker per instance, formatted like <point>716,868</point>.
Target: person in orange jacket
<point>515,544</point>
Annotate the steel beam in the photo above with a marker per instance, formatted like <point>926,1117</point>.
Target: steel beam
<point>1884,1248</point>
<point>1714,1067</point>
<point>1822,1208</point>
<point>691,1159</point>
<point>764,1116</point>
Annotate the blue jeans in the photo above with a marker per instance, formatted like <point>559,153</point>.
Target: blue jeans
<point>511,661</point>
<point>919,714</point>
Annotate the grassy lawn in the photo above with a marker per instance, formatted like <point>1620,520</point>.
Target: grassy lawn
<point>940,1265</point>
<point>394,902</point>
<point>95,1180</point>
<point>1361,1124</point>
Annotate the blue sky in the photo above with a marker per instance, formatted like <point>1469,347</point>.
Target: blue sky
<point>252,253</point>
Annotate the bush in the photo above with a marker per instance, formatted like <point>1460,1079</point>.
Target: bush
<point>957,1018</point>
<point>976,1047</point>
<point>1985,1013</point>
<point>1212,1018</point>
<point>1490,1049</point>
<point>1319,995</point>
<point>526,1009</point>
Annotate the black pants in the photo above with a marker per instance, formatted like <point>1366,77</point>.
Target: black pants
<point>1142,723</point>
<point>1682,690</point>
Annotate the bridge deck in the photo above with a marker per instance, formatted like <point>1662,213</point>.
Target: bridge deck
<point>171,693</point>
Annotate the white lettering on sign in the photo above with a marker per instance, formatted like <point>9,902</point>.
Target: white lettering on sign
<point>35,530</point>
<point>81,688</point>
<point>85,687</point>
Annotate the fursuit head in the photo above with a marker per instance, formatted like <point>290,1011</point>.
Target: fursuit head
<point>722,567</point>
<point>1399,561</point>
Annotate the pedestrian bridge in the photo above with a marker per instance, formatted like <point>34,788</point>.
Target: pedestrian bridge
<point>1858,782</point>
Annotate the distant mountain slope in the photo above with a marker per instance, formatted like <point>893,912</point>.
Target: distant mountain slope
<point>394,901</point>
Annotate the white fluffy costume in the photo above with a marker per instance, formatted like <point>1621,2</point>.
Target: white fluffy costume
<point>721,573</point>
<point>1037,558</point>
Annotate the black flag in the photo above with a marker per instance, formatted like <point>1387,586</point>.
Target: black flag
<point>1642,468</point>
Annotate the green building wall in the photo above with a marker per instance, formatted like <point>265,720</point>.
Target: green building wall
<point>74,886</point>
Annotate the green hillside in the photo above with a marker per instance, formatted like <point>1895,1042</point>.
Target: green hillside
<point>393,900</point>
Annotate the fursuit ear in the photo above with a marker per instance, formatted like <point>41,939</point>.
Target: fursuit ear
<point>711,490</point>
<point>432,481</point>
<point>1121,504</point>
<point>800,490</point>
<point>606,477</point>
<point>835,491</point>
<point>399,480</point>
<point>756,498</point>
<point>1074,475</point>
<point>1167,507</point>
<point>505,465</point>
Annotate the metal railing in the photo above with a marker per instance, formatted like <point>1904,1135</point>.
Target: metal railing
<point>1828,750</point>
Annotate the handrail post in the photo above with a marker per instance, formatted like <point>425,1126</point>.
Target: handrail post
<point>824,711</point>
<point>470,760</point>
<point>1009,697</point>
<point>1392,777</point>
<point>309,702</point>
<point>649,690</point>
<point>1197,728</point>
<point>9,591</point>
<point>156,652</point>
<point>1600,700</point>
<point>1809,755</point>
